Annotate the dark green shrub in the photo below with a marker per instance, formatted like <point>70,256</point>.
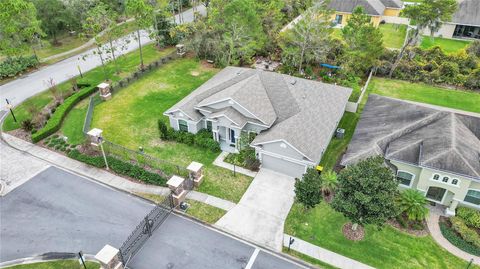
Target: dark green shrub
<point>471,217</point>
<point>417,226</point>
<point>34,131</point>
<point>96,161</point>
<point>163,129</point>
<point>56,120</point>
<point>12,66</point>
<point>401,220</point>
<point>457,241</point>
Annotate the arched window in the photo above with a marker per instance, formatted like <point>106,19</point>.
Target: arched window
<point>473,197</point>
<point>436,177</point>
<point>405,178</point>
<point>454,181</point>
<point>445,179</point>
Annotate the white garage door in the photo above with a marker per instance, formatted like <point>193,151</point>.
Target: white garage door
<point>283,166</point>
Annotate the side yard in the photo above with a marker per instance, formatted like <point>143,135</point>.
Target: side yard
<point>388,247</point>
<point>448,45</point>
<point>130,119</point>
<point>393,35</point>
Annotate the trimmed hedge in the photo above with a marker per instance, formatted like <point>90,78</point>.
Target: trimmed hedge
<point>120,167</point>
<point>202,139</point>
<point>55,121</point>
<point>470,216</point>
<point>457,241</point>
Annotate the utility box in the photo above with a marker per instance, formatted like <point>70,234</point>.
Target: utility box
<point>340,133</point>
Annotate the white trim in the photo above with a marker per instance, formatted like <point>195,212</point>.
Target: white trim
<point>411,181</point>
<point>276,155</point>
<point>282,140</point>
<point>170,113</point>
<point>230,99</point>
<point>225,116</point>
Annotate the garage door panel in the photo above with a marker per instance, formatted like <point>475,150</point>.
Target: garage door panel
<point>283,166</point>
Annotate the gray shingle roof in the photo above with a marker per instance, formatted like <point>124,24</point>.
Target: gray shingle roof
<point>304,113</point>
<point>232,114</point>
<point>392,3</point>
<point>371,7</point>
<point>468,13</point>
<point>419,135</point>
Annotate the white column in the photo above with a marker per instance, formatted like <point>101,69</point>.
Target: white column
<point>450,211</point>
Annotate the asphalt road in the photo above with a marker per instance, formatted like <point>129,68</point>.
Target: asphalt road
<point>56,211</point>
<point>22,88</point>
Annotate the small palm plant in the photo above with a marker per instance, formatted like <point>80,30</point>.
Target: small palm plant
<point>329,182</point>
<point>413,204</point>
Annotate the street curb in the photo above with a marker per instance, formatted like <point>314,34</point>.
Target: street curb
<point>47,257</point>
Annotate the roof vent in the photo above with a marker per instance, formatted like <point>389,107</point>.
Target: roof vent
<point>293,81</point>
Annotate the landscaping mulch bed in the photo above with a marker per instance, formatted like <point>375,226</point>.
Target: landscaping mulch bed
<point>20,133</point>
<point>350,234</point>
<point>420,233</point>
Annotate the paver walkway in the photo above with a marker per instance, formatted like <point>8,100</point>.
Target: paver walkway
<point>324,255</point>
<point>219,162</point>
<point>260,215</point>
<point>102,175</point>
<point>434,228</point>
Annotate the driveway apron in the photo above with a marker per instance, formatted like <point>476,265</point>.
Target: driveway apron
<point>260,215</point>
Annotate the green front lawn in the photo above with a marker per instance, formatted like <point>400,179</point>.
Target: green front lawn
<point>67,42</point>
<point>73,123</point>
<point>420,92</point>
<point>386,248</point>
<point>204,212</point>
<point>130,119</point>
<point>393,35</point>
<point>448,45</point>
<point>60,264</point>
<point>127,64</point>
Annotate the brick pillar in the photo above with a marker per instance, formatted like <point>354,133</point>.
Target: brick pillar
<point>175,183</point>
<point>196,173</point>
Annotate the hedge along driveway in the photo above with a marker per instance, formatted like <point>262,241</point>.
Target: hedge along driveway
<point>127,64</point>
<point>130,119</point>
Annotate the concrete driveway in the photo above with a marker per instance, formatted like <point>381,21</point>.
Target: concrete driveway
<point>260,215</point>
<point>56,211</point>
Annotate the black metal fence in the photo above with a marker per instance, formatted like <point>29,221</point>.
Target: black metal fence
<point>145,229</point>
<point>164,168</point>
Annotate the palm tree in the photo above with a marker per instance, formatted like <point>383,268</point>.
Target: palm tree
<point>329,182</point>
<point>413,204</point>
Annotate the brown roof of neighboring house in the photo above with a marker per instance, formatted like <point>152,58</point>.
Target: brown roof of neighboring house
<point>370,7</point>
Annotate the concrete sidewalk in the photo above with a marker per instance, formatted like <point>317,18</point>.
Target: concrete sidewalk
<point>103,176</point>
<point>323,255</point>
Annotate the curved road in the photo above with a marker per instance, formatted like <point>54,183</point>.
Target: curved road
<point>26,86</point>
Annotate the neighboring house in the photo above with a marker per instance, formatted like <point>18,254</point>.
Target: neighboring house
<point>432,150</point>
<point>465,22</point>
<point>376,9</point>
<point>294,118</point>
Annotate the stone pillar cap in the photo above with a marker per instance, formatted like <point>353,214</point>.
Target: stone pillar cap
<point>103,85</point>
<point>95,132</point>
<point>175,181</point>
<point>106,254</point>
<point>194,166</point>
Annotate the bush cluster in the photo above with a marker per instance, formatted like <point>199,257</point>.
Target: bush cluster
<point>55,121</point>
<point>202,139</point>
<point>57,143</point>
<point>468,234</point>
<point>457,241</point>
<point>120,167</point>
<point>470,216</point>
<point>434,66</point>
<point>13,66</point>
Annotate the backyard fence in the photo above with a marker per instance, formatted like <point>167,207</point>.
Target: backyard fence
<point>88,117</point>
<point>164,168</point>
<point>353,106</point>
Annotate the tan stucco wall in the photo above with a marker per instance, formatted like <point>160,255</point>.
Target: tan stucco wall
<point>424,179</point>
<point>346,16</point>
<point>391,12</point>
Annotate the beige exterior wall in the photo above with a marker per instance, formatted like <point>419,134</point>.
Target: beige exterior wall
<point>391,12</point>
<point>346,16</point>
<point>423,180</point>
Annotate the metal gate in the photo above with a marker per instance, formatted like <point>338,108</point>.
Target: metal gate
<point>146,228</point>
